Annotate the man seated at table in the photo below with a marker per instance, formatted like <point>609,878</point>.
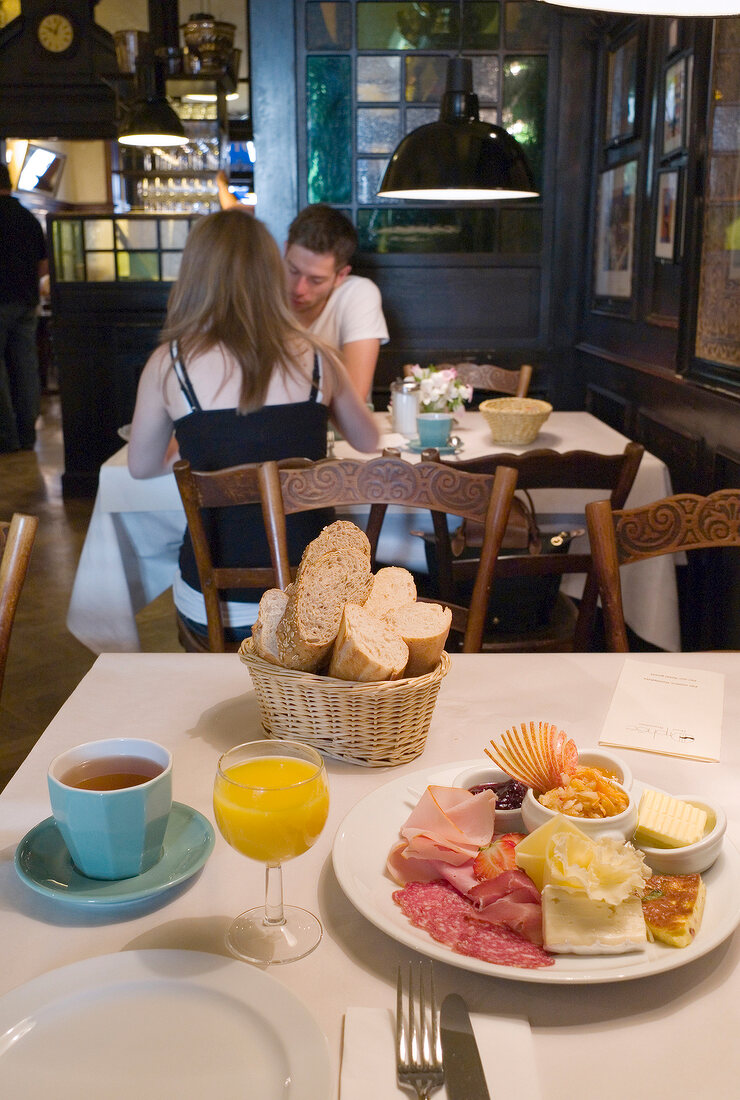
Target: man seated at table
<point>344,310</point>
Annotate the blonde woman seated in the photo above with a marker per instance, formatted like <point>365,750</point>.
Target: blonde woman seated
<point>238,380</point>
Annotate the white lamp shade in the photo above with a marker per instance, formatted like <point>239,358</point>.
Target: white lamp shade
<point>686,8</point>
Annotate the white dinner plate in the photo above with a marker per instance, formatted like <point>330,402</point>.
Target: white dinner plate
<point>155,1024</point>
<point>368,832</point>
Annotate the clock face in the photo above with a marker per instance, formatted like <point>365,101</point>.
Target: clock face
<point>55,32</point>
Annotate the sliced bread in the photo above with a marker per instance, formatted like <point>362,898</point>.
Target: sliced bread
<point>311,620</point>
<point>340,535</point>
<point>424,628</point>
<point>392,587</point>
<point>264,632</point>
<point>366,648</point>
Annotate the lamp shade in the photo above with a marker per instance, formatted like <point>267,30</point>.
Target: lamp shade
<point>152,122</point>
<point>686,8</point>
<point>459,158</point>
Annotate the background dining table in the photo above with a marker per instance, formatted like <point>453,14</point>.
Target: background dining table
<point>130,552</point>
<point>670,1034</point>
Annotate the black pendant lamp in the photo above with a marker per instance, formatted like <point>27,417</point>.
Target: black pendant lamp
<point>150,120</point>
<point>459,158</point>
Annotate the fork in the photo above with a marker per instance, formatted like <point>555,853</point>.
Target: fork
<point>418,1043</point>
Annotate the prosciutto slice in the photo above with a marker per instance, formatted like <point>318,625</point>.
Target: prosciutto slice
<point>442,837</point>
<point>513,900</point>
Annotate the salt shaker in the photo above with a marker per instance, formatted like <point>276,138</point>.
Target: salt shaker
<point>404,406</point>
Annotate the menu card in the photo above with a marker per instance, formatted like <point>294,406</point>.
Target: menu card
<point>668,709</point>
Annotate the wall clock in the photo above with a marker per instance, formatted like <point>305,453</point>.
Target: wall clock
<point>56,33</point>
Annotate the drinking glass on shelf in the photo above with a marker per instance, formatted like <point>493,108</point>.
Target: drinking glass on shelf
<point>271,801</point>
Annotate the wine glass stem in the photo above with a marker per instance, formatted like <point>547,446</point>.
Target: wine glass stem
<point>274,894</point>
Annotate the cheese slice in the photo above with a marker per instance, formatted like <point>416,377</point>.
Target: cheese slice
<point>665,822</point>
<point>532,852</point>
<point>574,924</point>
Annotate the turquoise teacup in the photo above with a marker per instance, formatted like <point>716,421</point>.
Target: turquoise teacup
<point>111,801</point>
<point>434,428</point>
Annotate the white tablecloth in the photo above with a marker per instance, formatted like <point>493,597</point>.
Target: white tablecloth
<point>130,551</point>
<point>660,1037</point>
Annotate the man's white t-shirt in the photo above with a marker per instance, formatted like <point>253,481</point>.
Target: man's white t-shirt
<point>354,311</point>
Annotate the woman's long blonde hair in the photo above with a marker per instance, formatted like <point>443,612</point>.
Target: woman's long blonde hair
<point>231,292</point>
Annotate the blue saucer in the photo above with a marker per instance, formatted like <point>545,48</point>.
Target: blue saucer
<point>44,863</point>
<point>417,447</point>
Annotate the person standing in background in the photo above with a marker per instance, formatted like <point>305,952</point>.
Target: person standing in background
<point>23,262</point>
<point>343,309</point>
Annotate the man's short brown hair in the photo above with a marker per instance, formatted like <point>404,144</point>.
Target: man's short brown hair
<point>321,228</point>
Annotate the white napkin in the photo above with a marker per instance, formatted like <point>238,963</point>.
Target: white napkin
<point>369,1064</point>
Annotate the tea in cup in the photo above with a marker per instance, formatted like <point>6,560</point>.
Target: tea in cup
<point>111,802</point>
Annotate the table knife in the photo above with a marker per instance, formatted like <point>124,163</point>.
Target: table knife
<point>464,1077</point>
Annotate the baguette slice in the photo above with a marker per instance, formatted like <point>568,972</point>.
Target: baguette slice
<point>424,628</point>
<point>367,648</point>
<point>264,632</point>
<point>323,586</point>
<point>340,535</point>
<point>673,906</point>
<point>392,587</point>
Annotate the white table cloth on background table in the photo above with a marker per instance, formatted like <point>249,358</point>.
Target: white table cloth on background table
<point>667,1035</point>
<point>130,552</point>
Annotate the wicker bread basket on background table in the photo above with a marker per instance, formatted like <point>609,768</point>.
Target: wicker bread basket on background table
<point>374,724</point>
<point>516,420</point>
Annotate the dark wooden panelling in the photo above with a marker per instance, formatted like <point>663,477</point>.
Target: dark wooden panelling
<point>610,407</point>
<point>102,339</point>
<point>680,450</point>
<point>465,306</point>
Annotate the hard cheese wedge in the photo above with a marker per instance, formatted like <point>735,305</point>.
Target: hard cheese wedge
<point>665,822</point>
<point>575,924</point>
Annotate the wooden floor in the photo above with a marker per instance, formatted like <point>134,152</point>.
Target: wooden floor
<point>46,662</point>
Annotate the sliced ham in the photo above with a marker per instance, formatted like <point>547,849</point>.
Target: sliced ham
<point>451,919</point>
<point>447,828</point>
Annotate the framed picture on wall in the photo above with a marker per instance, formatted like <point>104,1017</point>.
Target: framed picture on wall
<point>666,217</point>
<point>674,109</point>
<point>615,232</point>
<point>621,92</point>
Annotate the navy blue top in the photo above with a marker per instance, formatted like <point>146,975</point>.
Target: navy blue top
<point>214,439</point>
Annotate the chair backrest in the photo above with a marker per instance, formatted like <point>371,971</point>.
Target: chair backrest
<point>485,376</point>
<point>547,469</point>
<point>16,543</point>
<point>201,490</point>
<point>392,481</point>
<point>621,536</point>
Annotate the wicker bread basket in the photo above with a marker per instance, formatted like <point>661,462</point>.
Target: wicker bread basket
<point>515,419</point>
<point>373,724</point>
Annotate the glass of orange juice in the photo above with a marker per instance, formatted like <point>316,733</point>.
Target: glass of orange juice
<point>271,801</point>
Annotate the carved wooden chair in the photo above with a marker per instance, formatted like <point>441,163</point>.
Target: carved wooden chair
<point>485,376</point>
<point>389,480</point>
<point>16,543</point>
<point>200,491</point>
<point>622,536</point>
<point>570,626</point>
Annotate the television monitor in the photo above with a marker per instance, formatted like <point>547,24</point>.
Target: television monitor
<point>41,170</point>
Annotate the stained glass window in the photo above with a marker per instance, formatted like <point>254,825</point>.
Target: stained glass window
<point>329,126</point>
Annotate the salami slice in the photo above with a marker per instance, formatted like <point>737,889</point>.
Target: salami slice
<point>449,918</point>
